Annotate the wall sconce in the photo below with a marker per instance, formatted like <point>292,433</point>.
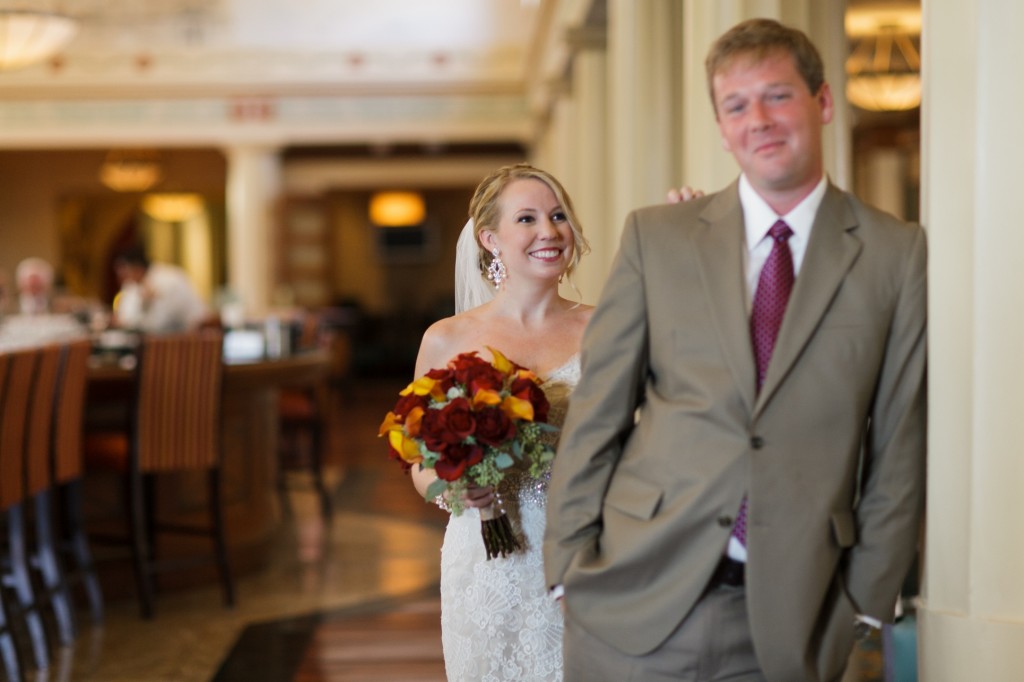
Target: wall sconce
<point>172,207</point>
<point>884,69</point>
<point>27,37</point>
<point>397,209</point>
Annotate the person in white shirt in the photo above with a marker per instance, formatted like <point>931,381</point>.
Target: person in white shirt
<point>155,297</point>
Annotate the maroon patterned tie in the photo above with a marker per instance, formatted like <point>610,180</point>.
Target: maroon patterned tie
<point>773,287</point>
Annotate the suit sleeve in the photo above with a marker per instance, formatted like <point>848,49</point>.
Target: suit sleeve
<point>893,479</point>
<point>601,411</point>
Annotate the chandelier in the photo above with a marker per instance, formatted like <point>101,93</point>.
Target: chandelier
<point>884,67</point>
<point>131,170</point>
<point>28,37</point>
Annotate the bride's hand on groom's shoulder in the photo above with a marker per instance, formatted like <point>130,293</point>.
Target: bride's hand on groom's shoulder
<point>684,193</point>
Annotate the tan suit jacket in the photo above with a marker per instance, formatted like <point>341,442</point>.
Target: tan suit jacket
<point>831,452</point>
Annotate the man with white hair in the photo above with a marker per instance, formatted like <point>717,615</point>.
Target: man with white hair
<point>34,279</point>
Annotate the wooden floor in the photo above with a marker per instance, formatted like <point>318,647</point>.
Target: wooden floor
<point>395,639</point>
<point>401,645</point>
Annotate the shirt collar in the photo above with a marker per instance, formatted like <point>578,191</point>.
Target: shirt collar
<point>758,216</point>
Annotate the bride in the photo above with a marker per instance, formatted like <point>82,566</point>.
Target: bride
<point>498,621</point>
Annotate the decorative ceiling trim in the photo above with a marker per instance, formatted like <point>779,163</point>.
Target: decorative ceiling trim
<point>269,120</point>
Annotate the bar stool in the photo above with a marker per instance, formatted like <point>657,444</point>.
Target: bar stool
<point>11,656</point>
<point>38,484</point>
<point>175,428</point>
<point>301,415</point>
<point>67,470</point>
<point>14,417</point>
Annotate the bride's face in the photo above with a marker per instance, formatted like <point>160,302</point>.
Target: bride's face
<point>533,235</point>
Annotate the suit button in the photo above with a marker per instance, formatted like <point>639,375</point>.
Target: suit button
<point>725,521</point>
<point>757,442</point>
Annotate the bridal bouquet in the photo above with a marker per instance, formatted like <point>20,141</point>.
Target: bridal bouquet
<point>470,422</point>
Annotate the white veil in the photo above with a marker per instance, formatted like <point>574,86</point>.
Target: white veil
<point>471,289</point>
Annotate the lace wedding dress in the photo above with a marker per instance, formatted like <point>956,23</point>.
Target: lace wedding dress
<point>497,620</point>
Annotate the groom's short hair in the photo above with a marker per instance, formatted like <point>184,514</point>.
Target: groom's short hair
<point>756,39</point>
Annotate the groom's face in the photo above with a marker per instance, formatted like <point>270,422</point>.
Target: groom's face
<point>771,122</point>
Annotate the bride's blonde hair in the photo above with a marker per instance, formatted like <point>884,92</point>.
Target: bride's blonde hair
<point>486,213</point>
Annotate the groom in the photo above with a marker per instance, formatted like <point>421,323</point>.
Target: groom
<point>740,478</point>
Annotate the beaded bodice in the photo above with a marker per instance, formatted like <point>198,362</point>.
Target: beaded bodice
<point>518,484</point>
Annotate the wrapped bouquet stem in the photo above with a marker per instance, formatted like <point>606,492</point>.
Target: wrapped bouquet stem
<point>471,422</point>
<point>496,528</point>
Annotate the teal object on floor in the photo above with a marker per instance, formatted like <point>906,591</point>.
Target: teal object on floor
<point>899,642</point>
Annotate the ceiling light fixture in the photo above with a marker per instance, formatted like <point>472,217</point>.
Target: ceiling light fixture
<point>131,170</point>
<point>28,37</point>
<point>884,68</point>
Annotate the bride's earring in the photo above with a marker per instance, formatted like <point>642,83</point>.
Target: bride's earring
<point>496,271</point>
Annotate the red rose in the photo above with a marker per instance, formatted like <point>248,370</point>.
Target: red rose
<point>493,427</point>
<point>456,459</point>
<point>464,360</point>
<point>405,404</point>
<point>527,389</point>
<point>445,378</point>
<point>432,431</point>
<point>456,421</point>
<point>476,373</point>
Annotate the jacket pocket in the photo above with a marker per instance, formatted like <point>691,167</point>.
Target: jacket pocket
<point>634,497</point>
<point>844,529</point>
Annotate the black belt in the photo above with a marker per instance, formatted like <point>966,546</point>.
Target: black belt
<point>728,572</point>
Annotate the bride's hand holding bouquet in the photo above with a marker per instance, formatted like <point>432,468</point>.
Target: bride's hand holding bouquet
<point>470,422</point>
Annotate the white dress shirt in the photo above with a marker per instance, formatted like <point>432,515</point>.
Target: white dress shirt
<point>758,218</point>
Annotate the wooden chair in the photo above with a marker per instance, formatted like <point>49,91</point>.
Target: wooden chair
<point>14,417</point>
<point>67,470</point>
<point>301,412</point>
<point>52,590</point>
<point>175,428</point>
<point>11,656</point>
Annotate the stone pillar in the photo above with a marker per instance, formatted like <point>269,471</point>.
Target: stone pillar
<point>590,157</point>
<point>972,611</point>
<point>642,126</point>
<point>253,194</point>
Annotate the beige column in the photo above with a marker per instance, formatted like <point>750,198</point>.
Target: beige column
<point>253,192</point>
<point>573,145</point>
<point>590,157</point>
<point>703,161</point>
<point>972,615</point>
<point>643,129</point>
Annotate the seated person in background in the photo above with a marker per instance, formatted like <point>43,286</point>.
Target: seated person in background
<point>35,323</point>
<point>34,279</point>
<point>155,297</point>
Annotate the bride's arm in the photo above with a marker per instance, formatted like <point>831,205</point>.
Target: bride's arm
<point>434,352</point>
<point>436,348</point>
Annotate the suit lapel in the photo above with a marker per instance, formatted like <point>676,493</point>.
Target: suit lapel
<point>831,252</point>
<point>719,246</point>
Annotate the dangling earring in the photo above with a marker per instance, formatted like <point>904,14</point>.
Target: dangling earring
<point>496,271</point>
